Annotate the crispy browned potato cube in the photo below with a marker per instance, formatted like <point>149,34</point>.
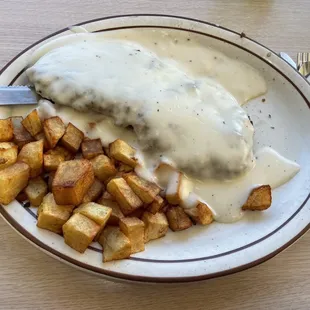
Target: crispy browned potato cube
<point>72,180</point>
<point>123,152</point>
<point>116,214</point>
<point>72,138</point>
<point>178,219</point>
<point>59,150</point>
<point>52,161</point>
<point>52,216</point>
<point>157,205</point>
<point>8,154</point>
<point>259,199</point>
<point>91,148</point>
<point>94,192</point>
<point>201,214</point>
<point>32,123</point>
<point>6,130</point>
<point>35,191</point>
<point>156,225</point>
<point>32,154</point>
<point>20,135</point>
<point>124,168</point>
<point>41,136</point>
<point>13,180</point>
<point>144,189</point>
<point>174,188</point>
<point>103,167</point>
<point>124,195</point>
<point>51,177</point>
<point>133,228</point>
<point>54,129</point>
<point>79,232</point>
<point>115,244</point>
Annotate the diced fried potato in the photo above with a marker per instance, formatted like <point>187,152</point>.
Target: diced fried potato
<point>32,154</point>
<point>116,214</point>
<point>13,180</point>
<point>173,192</point>
<point>8,154</point>
<point>20,135</point>
<point>201,214</point>
<point>6,130</point>
<point>137,213</point>
<point>123,152</point>
<point>54,129</point>
<point>144,189</point>
<point>91,148</point>
<point>178,219</point>
<point>115,244</point>
<point>51,162</point>
<point>72,181</point>
<point>79,232</point>
<point>51,177</point>
<point>163,173</point>
<point>133,228</point>
<point>156,205</point>
<point>107,196</point>
<point>72,138</point>
<point>94,192</point>
<point>259,199</point>
<point>35,191</point>
<point>124,195</point>
<point>96,212</point>
<point>52,216</point>
<point>32,123</point>
<point>103,167</point>
<point>41,136</point>
<point>156,225</point>
<point>59,150</point>
<point>124,168</point>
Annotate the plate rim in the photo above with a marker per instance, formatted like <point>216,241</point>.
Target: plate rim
<point>112,274</point>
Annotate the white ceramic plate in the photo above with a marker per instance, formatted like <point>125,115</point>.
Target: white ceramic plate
<point>218,249</point>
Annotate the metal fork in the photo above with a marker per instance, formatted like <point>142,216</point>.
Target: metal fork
<point>303,64</point>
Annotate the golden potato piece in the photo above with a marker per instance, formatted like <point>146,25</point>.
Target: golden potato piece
<point>20,135</point>
<point>124,168</point>
<point>91,148</point>
<point>32,154</point>
<point>259,199</point>
<point>72,138</point>
<point>35,191</point>
<point>123,152</point>
<point>8,154</point>
<point>51,162</point>
<point>107,196</point>
<point>178,219</point>
<point>116,214</point>
<point>72,180</point>
<point>54,129</point>
<point>157,205</point>
<point>156,225</point>
<point>13,180</point>
<point>32,123</point>
<point>6,130</point>
<point>174,189</point>
<point>115,244</point>
<point>201,214</point>
<point>103,167</point>
<point>52,216</point>
<point>79,232</point>
<point>94,192</point>
<point>124,195</point>
<point>41,136</point>
<point>144,189</point>
<point>133,228</point>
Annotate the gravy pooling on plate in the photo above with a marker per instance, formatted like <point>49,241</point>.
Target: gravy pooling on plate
<point>182,99</point>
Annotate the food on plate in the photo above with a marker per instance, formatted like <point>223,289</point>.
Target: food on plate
<point>8,154</point>
<point>72,138</point>
<point>72,180</point>
<point>157,204</point>
<point>177,218</point>
<point>79,232</point>
<point>123,152</point>
<point>156,225</point>
<point>91,148</point>
<point>115,244</point>
<point>52,216</point>
<point>54,129</point>
<point>200,214</point>
<point>103,167</point>
<point>259,199</point>
<point>124,195</point>
<point>20,135</point>
<point>174,189</point>
<point>32,123</point>
<point>13,180</point>
<point>35,191</point>
<point>94,192</point>
<point>133,228</point>
<point>6,130</point>
<point>52,161</point>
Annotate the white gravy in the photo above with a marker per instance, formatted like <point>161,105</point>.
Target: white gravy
<point>186,78</point>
